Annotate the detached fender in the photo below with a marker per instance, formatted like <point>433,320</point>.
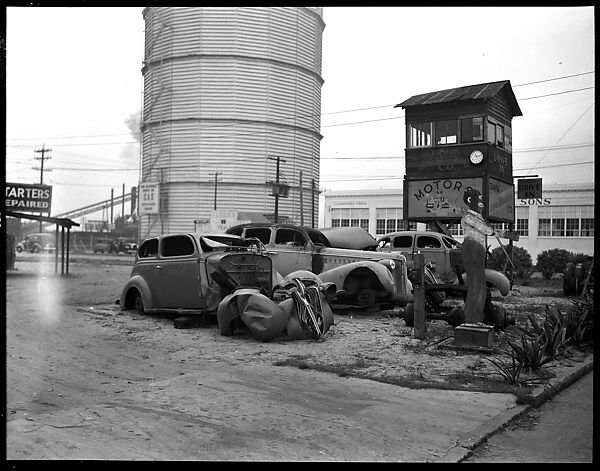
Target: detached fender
<point>495,279</point>
<point>339,274</point>
<point>139,284</point>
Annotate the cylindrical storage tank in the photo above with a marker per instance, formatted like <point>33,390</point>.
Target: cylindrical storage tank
<point>227,91</point>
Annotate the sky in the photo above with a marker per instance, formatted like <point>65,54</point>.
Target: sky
<point>74,85</point>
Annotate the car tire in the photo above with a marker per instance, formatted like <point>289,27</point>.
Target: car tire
<point>35,249</point>
<point>19,249</point>
<point>366,297</point>
<point>138,303</point>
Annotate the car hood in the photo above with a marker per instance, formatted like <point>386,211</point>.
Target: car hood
<point>350,238</point>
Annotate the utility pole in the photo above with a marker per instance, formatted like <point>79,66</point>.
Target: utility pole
<point>43,158</point>
<point>278,159</point>
<point>301,202</point>
<point>216,174</point>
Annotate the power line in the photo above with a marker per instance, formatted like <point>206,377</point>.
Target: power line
<point>328,113</point>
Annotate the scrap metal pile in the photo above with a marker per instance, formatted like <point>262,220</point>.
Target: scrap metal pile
<point>298,309</point>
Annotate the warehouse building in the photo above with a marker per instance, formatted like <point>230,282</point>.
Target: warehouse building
<point>562,218</point>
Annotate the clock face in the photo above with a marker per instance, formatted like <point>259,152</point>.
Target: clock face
<point>476,157</point>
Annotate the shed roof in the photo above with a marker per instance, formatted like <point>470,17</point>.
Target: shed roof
<point>482,91</point>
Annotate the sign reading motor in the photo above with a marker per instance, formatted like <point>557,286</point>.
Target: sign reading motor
<point>28,198</point>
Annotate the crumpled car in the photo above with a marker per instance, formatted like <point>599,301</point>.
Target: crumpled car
<point>189,273</point>
<point>298,309</point>
<point>363,277</point>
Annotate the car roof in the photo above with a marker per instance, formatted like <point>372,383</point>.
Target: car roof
<point>400,233</point>
<point>270,224</point>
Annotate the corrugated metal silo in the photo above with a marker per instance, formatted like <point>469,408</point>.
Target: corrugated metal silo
<point>226,92</point>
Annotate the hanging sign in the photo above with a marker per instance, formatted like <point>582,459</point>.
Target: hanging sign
<point>149,198</point>
<point>26,198</point>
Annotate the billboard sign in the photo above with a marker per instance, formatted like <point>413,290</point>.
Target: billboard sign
<point>149,197</point>
<point>25,198</point>
<point>438,198</point>
<point>501,198</point>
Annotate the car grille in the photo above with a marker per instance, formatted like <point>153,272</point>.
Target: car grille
<point>248,270</point>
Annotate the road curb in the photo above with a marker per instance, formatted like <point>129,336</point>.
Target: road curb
<point>466,443</point>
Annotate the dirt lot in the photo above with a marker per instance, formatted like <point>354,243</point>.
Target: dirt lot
<point>67,343</point>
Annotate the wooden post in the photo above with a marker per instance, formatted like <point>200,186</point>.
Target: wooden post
<point>419,288</point>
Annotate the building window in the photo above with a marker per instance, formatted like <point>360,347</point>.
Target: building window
<point>587,221</point>
<point>420,134</point>
<point>455,230</point>
<point>544,221</point>
<point>558,227</point>
<point>566,221</point>
<point>350,217</point>
<point>508,139</point>
<point>471,129</point>
<point>522,219</point>
<point>523,227</point>
<point>446,132</point>
<point>403,225</point>
<point>572,229</point>
<point>500,136</point>
<point>587,227</point>
<point>388,220</point>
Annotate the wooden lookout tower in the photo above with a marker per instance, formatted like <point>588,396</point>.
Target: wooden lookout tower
<point>456,139</point>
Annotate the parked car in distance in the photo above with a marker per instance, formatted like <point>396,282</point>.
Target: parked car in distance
<point>104,246</point>
<point>38,242</point>
<point>190,273</point>
<point>373,277</point>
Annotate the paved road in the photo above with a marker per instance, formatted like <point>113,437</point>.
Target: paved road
<point>561,430</point>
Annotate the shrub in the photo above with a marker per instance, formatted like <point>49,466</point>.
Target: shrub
<point>579,320</point>
<point>521,260</point>
<point>553,261</point>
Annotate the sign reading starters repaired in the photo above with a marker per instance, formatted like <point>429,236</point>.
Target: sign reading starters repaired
<point>26,198</point>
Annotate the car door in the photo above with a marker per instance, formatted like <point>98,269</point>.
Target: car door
<point>431,246</point>
<point>403,243</point>
<point>178,272</point>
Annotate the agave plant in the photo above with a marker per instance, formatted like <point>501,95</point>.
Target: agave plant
<point>509,371</point>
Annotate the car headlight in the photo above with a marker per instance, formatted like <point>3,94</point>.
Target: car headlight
<point>391,264</point>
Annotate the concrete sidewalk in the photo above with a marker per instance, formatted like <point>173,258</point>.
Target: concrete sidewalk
<point>467,442</point>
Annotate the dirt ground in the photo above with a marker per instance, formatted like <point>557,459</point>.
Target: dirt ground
<point>67,343</point>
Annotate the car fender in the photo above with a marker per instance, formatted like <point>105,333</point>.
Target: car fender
<point>339,274</point>
<point>496,279</point>
<point>138,282</point>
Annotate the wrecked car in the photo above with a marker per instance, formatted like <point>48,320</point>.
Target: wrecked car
<point>442,253</point>
<point>189,273</point>
<point>364,278</point>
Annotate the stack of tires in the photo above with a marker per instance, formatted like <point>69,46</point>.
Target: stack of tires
<point>574,278</point>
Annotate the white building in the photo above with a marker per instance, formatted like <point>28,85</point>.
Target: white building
<point>562,218</point>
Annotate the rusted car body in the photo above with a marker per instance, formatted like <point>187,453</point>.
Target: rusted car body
<point>190,274</point>
<point>365,277</point>
<point>441,251</point>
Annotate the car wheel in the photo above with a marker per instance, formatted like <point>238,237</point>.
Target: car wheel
<point>35,249</point>
<point>138,303</point>
<point>19,249</point>
<point>366,297</point>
